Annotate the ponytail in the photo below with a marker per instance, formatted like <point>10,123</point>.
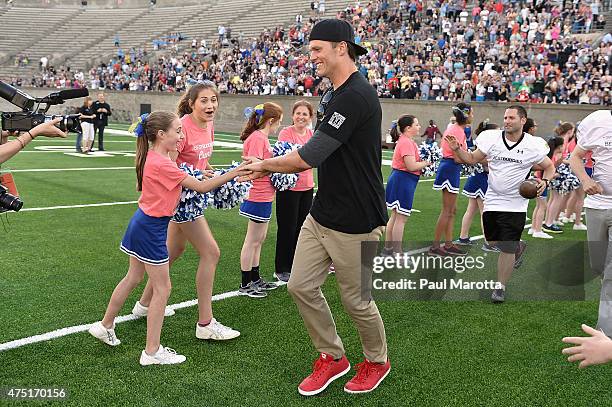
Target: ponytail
<point>142,149</point>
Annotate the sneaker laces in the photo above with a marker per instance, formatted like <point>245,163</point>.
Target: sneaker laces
<point>219,327</point>
<point>111,335</point>
<point>320,365</point>
<point>363,371</point>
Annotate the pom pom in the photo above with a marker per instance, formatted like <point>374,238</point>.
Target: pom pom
<point>433,154</point>
<point>566,181</point>
<point>468,170</point>
<point>283,182</point>
<point>191,203</point>
<point>230,194</point>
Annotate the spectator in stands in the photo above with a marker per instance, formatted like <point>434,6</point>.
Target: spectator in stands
<point>431,132</point>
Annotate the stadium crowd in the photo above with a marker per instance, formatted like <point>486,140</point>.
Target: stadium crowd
<point>429,50</point>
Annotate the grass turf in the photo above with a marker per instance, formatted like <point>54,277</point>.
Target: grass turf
<point>60,266</point>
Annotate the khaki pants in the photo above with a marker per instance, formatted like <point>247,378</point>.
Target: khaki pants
<point>317,248</point>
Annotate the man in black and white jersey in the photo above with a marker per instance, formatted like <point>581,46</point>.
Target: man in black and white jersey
<point>511,155</point>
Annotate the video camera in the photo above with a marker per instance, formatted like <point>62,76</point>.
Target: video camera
<point>32,114</point>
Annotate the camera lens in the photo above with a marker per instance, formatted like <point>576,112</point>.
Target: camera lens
<point>10,202</point>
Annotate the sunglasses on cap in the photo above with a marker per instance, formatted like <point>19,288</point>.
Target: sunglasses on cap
<point>327,96</point>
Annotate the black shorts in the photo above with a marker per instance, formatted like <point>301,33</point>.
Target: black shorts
<point>505,228</point>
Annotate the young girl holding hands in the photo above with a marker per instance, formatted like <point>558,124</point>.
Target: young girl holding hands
<point>263,121</point>
<point>160,181</point>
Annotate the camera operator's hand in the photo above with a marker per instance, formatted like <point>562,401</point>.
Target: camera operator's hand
<point>48,129</point>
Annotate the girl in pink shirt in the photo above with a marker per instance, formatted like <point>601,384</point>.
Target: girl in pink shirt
<point>160,181</point>
<point>448,180</point>
<point>401,186</point>
<point>264,120</point>
<point>196,109</point>
<point>292,206</point>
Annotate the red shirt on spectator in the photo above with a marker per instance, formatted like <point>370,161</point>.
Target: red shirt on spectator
<point>499,7</point>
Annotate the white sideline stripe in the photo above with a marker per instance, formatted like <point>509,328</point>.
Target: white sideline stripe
<point>58,333</point>
<point>72,169</point>
<point>50,208</point>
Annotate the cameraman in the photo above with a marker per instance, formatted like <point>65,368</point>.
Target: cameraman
<point>9,149</point>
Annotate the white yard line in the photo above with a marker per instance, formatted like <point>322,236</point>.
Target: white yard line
<point>51,208</point>
<point>73,169</point>
<point>58,333</point>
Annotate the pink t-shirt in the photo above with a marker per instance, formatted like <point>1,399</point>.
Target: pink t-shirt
<point>197,145</point>
<point>161,185</point>
<point>305,181</point>
<point>459,134</point>
<point>405,146</point>
<point>258,145</point>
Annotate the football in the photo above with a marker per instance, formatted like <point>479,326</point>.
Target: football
<point>529,188</point>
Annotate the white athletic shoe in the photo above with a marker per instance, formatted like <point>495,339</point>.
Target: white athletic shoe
<point>558,223</point>
<point>140,310</point>
<point>565,220</point>
<point>542,235</point>
<point>216,331</point>
<point>582,226</point>
<point>105,335</point>
<point>530,231</point>
<point>164,356</point>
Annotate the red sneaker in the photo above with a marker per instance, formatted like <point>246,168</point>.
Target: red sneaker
<point>368,377</point>
<point>324,371</point>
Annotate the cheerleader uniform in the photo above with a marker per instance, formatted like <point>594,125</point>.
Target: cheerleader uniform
<point>402,183</point>
<point>476,185</point>
<point>448,175</point>
<point>194,149</point>
<point>145,237</point>
<point>258,206</point>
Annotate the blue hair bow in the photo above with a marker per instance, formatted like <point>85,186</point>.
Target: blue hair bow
<point>394,124</point>
<point>138,128</point>
<point>259,112</point>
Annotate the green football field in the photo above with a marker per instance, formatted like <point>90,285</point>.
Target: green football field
<point>59,262</point>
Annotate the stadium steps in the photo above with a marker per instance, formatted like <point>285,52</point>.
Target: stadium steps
<point>37,24</point>
<point>83,32</point>
<point>155,24</point>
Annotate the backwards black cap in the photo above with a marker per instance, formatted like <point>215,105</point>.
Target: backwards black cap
<point>335,30</point>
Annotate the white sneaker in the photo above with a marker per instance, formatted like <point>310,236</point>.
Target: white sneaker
<point>105,335</point>
<point>140,310</point>
<point>582,226</point>
<point>558,223</point>
<point>527,218</point>
<point>542,235</point>
<point>530,231</point>
<point>572,217</point>
<point>216,331</point>
<point>164,356</point>
<point>565,220</point>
